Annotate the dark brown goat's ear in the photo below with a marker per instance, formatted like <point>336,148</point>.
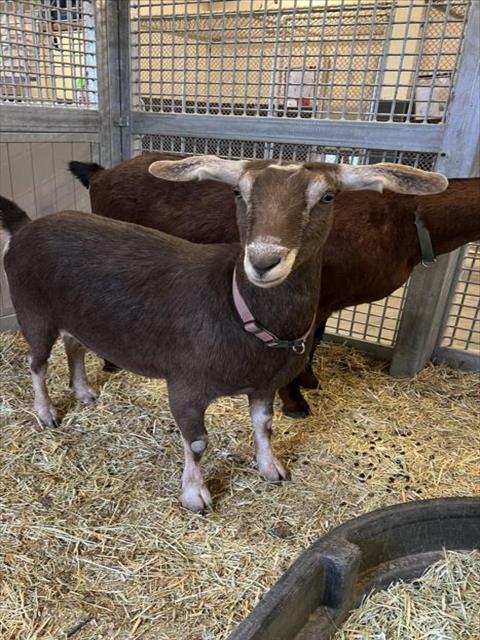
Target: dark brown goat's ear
<point>198,168</point>
<point>395,177</point>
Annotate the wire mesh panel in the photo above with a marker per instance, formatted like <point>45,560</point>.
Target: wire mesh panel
<point>462,330</point>
<point>47,52</point>
<point>227,148</point>
<point>376,322</point>
<point>349,59</point>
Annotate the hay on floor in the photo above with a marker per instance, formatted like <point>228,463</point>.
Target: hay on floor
<point>94,544</point>
<point>444,604</point>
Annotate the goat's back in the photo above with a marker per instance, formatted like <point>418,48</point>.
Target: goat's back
<point>202,212</point>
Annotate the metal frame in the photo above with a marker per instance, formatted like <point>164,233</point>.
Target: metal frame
<point>374,135</point>
<point>25,119</point>
<point>113,63</point>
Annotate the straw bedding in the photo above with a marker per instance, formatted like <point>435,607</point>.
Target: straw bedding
<point>444,604</point>
<point>94,544</point>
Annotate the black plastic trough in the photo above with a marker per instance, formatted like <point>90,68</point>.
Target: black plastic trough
<point>315,595</point>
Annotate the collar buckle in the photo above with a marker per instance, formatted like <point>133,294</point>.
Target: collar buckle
<point>299,346</point>
<point>269,339</point>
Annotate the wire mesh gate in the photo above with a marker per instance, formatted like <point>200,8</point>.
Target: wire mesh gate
<point>337,80</point>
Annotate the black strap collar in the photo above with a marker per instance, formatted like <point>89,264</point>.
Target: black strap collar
<point>425,241</point>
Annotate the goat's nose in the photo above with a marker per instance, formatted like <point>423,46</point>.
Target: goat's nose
<point>262,264</point>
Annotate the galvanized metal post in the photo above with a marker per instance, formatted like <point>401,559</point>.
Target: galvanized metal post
<point>113,64</point>
<point>430,291</point>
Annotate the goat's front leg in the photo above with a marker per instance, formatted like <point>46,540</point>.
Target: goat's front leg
<point>76,365</point>
<point>189,416</point>
<point>261,413</point>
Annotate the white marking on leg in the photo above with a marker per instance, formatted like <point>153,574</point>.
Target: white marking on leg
<point>268,465</point>
<point>42,403</point>
<point>198,446</point>
<point>195,495</point>
<point>76,364</point>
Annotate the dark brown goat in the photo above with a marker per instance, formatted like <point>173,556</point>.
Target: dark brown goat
<point>371,251</point>
<point>163,307</point>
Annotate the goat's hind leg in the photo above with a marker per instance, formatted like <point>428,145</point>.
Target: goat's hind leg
<point>76,365</point>
<point>261,413</point>
<point>41,339</point>
<point>307,379</point>
<point>294,404</point>
<point>189,415</point>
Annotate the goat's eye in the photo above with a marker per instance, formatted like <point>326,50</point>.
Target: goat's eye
<point>327,197</point>
<point>237,193</point>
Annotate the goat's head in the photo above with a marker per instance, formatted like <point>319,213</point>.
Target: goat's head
<point>285,211</point>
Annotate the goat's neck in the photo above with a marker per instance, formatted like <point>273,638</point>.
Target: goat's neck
<point>287,309</point>
<point>453,224</point>
<point>448,234</point>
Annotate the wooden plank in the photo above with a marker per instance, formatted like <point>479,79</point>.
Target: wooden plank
<point>64,181</point>
<point>6,307</point>
<point>8,322</point>
<point>5,180</point>
<point>43,177</point>
<point>21,176</point>
<point>81,151</point>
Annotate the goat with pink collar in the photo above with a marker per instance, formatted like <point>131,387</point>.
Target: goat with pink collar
<point>214,320</point>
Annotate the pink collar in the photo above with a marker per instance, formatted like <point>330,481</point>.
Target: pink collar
<point>250,325</point>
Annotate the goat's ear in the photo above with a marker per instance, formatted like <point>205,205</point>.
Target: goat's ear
<point>198,168</point>
<point>395,177</point>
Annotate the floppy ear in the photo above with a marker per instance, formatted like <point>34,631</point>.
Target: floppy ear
<point>198,168</point>
<point>396,177</point>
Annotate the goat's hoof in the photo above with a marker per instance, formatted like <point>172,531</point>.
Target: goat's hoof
<point>86,395</point>
<point>110,367</point>
<point>51,421</point>
<point>196,498</point>
<point>273,470</point>
<point>296,412</point>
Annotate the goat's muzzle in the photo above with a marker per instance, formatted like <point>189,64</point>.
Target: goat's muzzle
<point>268,265</point>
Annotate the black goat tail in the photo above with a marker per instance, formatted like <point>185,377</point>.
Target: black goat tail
<point>84,171</point>
<point>12,218</point>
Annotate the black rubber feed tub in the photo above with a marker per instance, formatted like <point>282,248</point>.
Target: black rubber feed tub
<point>315,595</point>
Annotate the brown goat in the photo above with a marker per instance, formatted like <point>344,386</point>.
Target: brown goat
<point>371,251</point>
<point>163,307</point>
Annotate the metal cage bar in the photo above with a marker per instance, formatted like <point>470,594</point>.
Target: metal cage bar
<point>362,61</point>
<point>48,53</point>
<point>462,328</point>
